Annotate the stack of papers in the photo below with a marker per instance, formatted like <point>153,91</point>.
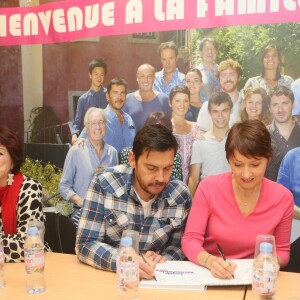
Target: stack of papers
<point>185,275</point>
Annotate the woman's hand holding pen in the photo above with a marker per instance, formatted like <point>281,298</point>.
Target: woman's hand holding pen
<point>220,268</point>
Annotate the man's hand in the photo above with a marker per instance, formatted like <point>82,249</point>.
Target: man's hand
<point>74,139</point>
<point>200,135</point>
<point>77,200</point>
<point>154,257</point>
<point>80,142</point>
<point>146,269</point>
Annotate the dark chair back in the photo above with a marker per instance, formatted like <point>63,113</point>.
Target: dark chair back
<point>60,233</point>
<point>294,263</point>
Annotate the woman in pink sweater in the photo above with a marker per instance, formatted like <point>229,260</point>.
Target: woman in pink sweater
<point>231,209</point>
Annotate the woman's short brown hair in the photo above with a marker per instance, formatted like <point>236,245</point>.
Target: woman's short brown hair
<point>250,138</point>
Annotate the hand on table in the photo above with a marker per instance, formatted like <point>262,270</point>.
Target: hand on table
<point>222,269</point>
<point>147,268</point>
<point>154,257</point>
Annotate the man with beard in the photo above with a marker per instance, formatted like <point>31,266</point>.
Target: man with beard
<point>229,73</point>
<point>141,103</point>
<point>139,197</point>
<point>285,131</point>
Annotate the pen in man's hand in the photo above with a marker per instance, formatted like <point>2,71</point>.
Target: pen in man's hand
<point>222,254</point>
<point>144,259</point>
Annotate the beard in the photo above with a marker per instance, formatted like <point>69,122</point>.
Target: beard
<point>146,187</point>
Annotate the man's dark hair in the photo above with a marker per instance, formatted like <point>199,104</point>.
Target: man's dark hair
<point>218,98</point>
<point>155,137</point>
<point>159,117</point>
<point>116,81</point>
<point>282,90</point>
<point>100,63</point>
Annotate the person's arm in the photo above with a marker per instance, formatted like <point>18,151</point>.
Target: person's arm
<point>195,171</point>
<point>156,85</point>
<point>90,246</point>
<point>283,230</point>
<point>193,239</point>
<point>296,212</point>
<point>66,184</point>
<point>204,119</point>
<point>78,121</point>
<point>29,208</point>
<point>172,250</point>
<point>284,173</point>
<point>249,84</point>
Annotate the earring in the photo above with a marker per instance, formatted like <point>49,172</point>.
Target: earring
<point>10,179</point>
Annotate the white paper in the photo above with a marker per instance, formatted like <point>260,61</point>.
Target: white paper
<point>185,275</point>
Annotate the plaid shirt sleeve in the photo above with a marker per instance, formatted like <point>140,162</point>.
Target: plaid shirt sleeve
<point>182,201</point>
<point>90,246</point>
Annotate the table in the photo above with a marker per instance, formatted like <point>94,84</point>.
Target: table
<point>67,278</point>
<point>288,287</point>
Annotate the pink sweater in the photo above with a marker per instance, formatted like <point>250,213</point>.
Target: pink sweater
<point>215,218</point>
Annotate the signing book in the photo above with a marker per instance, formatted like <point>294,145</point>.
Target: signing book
<point>185,275</point>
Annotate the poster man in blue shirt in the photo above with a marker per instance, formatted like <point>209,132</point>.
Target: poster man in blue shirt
<point>169,76</point>
<point>120,128</point>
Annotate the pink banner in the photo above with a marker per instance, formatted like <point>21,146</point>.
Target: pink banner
<point>69,20</point>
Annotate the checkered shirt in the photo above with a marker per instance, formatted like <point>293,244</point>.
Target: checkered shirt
<point>111,206</point>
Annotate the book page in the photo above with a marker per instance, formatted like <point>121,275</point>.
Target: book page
<point>187,275</point>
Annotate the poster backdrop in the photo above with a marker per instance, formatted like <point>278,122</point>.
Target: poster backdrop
<point>68,20</point>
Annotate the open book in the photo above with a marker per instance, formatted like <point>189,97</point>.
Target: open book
<point>185,275</point>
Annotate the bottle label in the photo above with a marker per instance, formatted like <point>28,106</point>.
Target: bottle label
<point>128,272</point>
<point>264,281</point>
<point>35,259</point>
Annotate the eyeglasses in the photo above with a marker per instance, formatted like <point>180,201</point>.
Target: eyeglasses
<point>95,124</point>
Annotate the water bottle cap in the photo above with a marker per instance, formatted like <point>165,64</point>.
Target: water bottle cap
<point>265,248</point>
<point>32,230</point>
<point>126,241</point>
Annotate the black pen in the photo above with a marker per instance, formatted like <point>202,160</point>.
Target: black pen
<point>223,255</point>
<point>147,264</point>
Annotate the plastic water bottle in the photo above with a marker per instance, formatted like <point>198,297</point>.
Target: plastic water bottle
<point>127,270</point>
<point>34,261</point>
<point>2,282</point>
<point>265,269</point>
